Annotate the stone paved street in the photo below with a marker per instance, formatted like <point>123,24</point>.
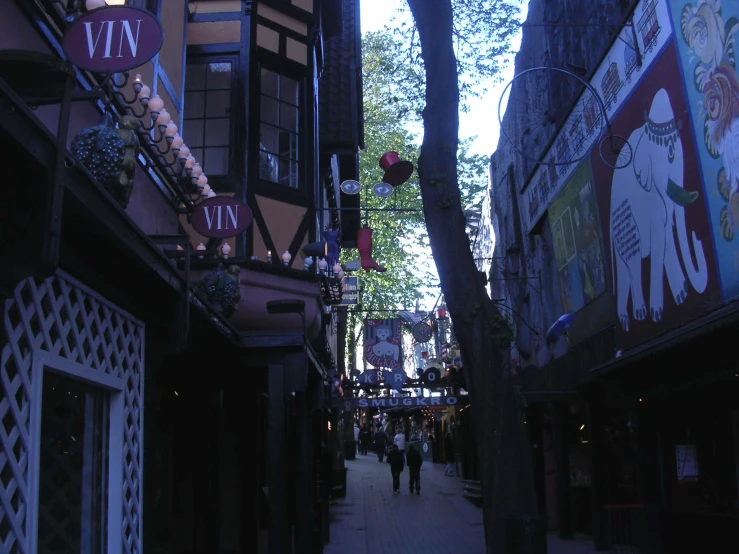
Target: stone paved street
<point>371,520</point>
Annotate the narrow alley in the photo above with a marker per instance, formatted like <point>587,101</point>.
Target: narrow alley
<point>371,520</point>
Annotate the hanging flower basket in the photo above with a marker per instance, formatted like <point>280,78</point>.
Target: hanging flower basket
<point>221,289</point>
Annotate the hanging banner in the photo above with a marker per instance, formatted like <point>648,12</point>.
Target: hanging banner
<point>382,343</point>
<point>351,292</point>
<point>406,402</point>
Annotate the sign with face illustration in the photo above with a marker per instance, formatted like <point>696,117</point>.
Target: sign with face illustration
<point>656,236</point>
<point>383,343</point>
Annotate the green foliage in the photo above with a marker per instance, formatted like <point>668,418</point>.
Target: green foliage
<point>385,108</point>
<point>482,29</point>
<point>393,100</point>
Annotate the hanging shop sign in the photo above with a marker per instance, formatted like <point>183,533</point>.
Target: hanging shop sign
<point>351,292</point>
<point>431,376</point>
<point>383,344</point>
<point>407,402</point>
<point>113,38</point>
<point>221,217</point>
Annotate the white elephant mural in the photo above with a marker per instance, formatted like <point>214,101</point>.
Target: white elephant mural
<point>647,199</point>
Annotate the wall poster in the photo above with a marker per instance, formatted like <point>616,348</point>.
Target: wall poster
<point>574,220</point>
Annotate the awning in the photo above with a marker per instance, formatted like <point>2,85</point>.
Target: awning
<point>724,316</point>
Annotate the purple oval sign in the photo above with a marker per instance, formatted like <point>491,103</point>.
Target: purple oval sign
<point>221,217</point>
<point>113,38</point>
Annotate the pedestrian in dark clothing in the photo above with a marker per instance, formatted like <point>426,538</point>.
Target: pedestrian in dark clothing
<point>365,437</point>
<point>380,443</point>
<point>395,458</point>
<point>414,459</point>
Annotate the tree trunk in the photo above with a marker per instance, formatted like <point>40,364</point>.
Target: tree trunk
<point>483,334</point>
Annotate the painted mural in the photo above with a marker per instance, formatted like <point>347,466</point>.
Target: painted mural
<point>706,38</point>
<point>657,237</point>
<point>573,217</point>
<point>614,80</point>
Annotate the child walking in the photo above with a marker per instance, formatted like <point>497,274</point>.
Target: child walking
<point>395,458</point>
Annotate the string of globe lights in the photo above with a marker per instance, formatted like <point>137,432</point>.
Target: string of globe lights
<point>184,166</point>
<point>160,134</point>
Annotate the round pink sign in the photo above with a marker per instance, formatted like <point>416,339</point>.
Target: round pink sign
<point>221,217</point>
<point>113,38</point>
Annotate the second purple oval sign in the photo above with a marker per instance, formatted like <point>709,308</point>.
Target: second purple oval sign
<point>113,38</point>
<point>221,217</point>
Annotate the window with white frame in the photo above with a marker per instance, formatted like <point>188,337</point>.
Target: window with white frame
<point>279,139</point>
<point>207,117</point>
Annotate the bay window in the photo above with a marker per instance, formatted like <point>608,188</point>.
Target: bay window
<point>279,129</point>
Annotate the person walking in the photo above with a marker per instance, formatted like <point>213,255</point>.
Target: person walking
<point>380,443</point>
<point>449,455</point>
<point>365,437</point>
<point>399,440</point>
<point>414,460</point>
<point>395,458</point>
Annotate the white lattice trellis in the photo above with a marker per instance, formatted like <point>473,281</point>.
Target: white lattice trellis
<point>61,317</point>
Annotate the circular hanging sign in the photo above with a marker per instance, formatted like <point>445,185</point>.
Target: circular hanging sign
<point>221,217</point>
<point>113,38</point>
<point>382,190</point>
<point>426,447</point>
<point>350,186</point>
<point>431,376</point>
<point>422,332</point>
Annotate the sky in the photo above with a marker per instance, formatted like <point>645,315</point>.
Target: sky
<point>482,119</point>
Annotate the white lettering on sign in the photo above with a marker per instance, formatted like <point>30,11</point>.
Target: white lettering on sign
<point>232,215</point>
<point>125,33</point>
<point>405,401</point>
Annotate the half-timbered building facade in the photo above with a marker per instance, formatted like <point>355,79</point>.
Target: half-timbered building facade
<point>157,386</point>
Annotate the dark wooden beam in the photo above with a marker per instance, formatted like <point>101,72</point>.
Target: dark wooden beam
<point>305,519</point>
<point>276,458</point>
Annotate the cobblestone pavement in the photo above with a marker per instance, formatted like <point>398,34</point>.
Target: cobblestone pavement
<point>371,520</point>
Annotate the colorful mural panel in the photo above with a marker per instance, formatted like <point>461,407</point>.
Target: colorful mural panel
<point>614,80</point>
<point>657,237</point>
<point>573,217</point>
<point>706,39</point>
